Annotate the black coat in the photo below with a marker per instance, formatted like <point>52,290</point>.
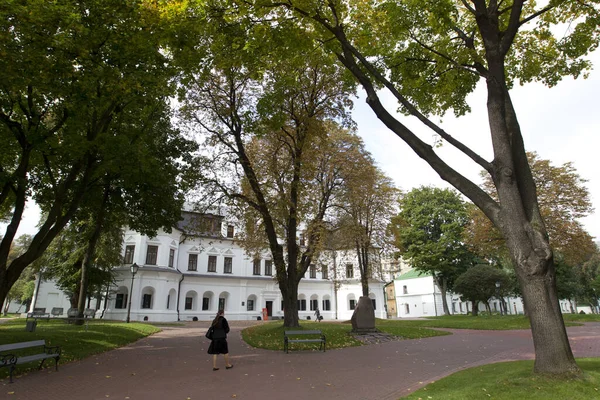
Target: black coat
<point>221,329</point>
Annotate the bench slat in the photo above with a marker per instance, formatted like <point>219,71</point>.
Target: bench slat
<point>22,345</point>
<point>35,357</point>
<point>303,333</point>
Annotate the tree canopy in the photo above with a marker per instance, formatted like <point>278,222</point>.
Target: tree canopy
<point>84,92</point>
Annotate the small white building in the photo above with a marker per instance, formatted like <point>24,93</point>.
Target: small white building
<point>417,295</point>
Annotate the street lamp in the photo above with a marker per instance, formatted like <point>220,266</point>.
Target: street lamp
<point>134,269</point>
<point>498,295</point>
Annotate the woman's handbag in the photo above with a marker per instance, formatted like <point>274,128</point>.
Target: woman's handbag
<point>210,332</point>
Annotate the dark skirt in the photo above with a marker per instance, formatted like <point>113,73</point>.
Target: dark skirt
<point>218,346</point>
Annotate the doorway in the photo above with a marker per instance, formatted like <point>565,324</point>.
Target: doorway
<point>269,305</point>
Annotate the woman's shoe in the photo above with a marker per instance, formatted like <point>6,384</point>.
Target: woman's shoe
<point>216,369</point>
<point>229,367</point>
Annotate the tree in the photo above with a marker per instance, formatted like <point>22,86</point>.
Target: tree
<point>562,198</point>
<point>277,150</point>
<point>74,77</point>
<point>429,56</point>
<point>478,284</point>
<point>22,290</point>
<point>365,207</point>
<point>429,233</point>
<point>65,257</point>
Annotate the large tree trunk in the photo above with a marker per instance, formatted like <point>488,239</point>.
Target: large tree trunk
<point>553,353</point>
<point>290,307</point>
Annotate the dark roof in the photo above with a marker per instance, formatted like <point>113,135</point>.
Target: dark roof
<point>199,224</point>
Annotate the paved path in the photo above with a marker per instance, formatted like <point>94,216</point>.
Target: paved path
<point>173,365</point>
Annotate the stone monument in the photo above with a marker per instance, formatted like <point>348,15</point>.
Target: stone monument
<point>363,318</point>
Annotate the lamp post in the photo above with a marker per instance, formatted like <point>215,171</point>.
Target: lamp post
<point>498,295</point>
<point>134,269</point>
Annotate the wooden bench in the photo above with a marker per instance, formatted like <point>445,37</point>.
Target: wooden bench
<point>37,315</point>
<point>72,315</point>
<point>57,312</point>
<point>9,359</point>
<point>301,337</point>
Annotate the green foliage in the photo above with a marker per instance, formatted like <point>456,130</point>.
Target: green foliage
<point>514,380</point>
<point>429,231</point>
<point>478,283</point>
<point>75,341</point>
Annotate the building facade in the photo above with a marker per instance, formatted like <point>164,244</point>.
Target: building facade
<point>201,267</point>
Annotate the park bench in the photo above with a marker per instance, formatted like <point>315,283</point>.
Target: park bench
<point>57,312</point>
<point>72,315</point>
<point>9,359</point>
<point>315,336</point>
<point>37,314</point>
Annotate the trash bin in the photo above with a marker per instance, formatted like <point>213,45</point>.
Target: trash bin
<point>30,326</point>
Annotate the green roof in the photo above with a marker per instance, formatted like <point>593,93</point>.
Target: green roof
<point>412,274</point>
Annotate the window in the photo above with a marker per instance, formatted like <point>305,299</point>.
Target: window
<point>282,308</point>
<point>227,267</point>
<point>302,240</point>
<point>349,272</point>
<point>121,300</point>
<point>230,231</point>
<point>168,300</point>
<point>221,303</point>
<point>193,262</point>
<point>129,250</point>
<point>313,272</point>
<point>268,268</point>
<point>250,305</point>
<point>188,303</point>
<point>374,304</point>
<point>404,290</point>
<point>406,309</point>
<point>352,304</point>
<point>171,257</point>
<point>147,301</point>
<point>302,305</point>
<point>324,271</point>
<point>256,267</point>
<point>314,304</point>
<point>151,255</point>
<point>326,305</point>
<point>205,303</point>
<point>212,263</point>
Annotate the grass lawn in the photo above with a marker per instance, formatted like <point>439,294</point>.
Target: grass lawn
<point>513,380</point>
<point>270,335</point>
<point>76,343</point>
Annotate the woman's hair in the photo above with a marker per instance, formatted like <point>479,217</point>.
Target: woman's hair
<point>216,320</point>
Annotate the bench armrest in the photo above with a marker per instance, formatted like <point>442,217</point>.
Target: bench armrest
<point>7,359</point>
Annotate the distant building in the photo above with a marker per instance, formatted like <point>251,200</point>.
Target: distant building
<point>417,295</point>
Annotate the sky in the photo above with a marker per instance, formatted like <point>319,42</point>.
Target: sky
<point>561,124</point>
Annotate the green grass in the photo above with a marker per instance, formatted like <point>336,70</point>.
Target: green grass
<point>270,336</point>
<point>514,380</point>
<point>76,343</point>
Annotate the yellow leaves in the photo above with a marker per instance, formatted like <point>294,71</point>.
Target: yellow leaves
<point>11,392</point>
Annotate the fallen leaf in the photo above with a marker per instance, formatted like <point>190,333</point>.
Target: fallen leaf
<point>108,376</point>
<point>298,378</point>
<point>11,392</point>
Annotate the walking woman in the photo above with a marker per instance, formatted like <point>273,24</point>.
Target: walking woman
<point>218,344</point>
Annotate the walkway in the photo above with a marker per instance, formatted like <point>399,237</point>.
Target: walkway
<point>173,364</point>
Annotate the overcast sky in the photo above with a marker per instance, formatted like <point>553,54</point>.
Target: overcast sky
<point>561,124</point>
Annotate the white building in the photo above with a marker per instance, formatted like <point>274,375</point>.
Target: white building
<point>417,295</point>
<point>200,267</point>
